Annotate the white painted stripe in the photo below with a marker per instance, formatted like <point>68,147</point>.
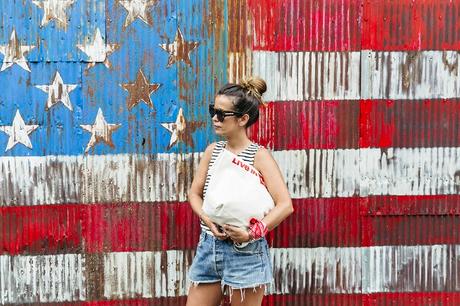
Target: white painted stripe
<point>300,76</point>
<point>239,65</point>
<point>166,177</point>
<point>96,179</point>
<point>48,278</point>
<point>55,278</point>
<point>364,172</point>
<point>410,75</point>
<point>146,274</point>
<point>367,269</point>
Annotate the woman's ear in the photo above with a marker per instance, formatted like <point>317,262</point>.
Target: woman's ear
<point>243,120</point>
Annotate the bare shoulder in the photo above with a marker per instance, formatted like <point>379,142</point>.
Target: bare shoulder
<point>209,149</point>
<point>208,153</point>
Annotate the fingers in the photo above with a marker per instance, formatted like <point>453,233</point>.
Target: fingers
<point>228,231</point>
<point>231,229</point>
<point>219,235</point>
<point>233,232</point>
<point>237,234</point>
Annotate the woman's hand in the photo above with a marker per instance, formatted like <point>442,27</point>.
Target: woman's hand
<point>217,233</point>
<point>237,234</point>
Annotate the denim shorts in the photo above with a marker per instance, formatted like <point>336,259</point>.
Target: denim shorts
<point>238,267</point>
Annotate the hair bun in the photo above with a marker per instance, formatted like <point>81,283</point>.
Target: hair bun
<point>256,86</point>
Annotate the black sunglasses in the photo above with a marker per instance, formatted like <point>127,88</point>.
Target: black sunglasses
<point>221,114</point>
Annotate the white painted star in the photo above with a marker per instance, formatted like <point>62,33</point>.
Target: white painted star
<point>176,128</point>
<point>181,130</point>
<point>18,132</point>
<point>98,51</point>
<point>58,92</point>
<point>14,53</point>
<point>138,9</point>
<point>180,49</point>
<point>54,9</point>
<point>100,131</point>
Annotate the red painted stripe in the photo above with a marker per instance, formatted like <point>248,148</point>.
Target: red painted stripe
<point>350,25</point>
<point>139,227</point>
<point>411,230</point>
<point>159,226</point>
<point>437,205</point>
<point>97,228</point>
<point>358,124</point>
<point>375,299</point>
<point>411,25</point>
<point>340,222</point>
<point>41,229</point>
<point>307,125</point>
<point>411,220</point>
<point>377,220</point>
<point>412,298</point>
<point>173,301</point>
<point>269,300</point>
<point>429,123</point>
<point>298,25</point>
<point>320,222</point>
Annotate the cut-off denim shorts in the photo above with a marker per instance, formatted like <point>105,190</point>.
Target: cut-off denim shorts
<point>238,267</point>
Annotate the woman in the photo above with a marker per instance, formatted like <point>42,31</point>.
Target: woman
<point>220,262</point>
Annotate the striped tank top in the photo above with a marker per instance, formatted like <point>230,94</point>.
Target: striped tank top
<point>246,155</point>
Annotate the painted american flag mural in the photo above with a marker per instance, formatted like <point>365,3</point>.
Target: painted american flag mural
<point>103,115</point>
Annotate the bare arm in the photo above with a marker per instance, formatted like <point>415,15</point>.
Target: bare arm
<point>274,181</point>
<point>195,193</point>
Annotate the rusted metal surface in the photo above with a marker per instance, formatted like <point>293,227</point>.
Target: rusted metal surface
<point>104,117</point>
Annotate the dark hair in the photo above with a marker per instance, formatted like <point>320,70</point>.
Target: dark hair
<point>247,96</point>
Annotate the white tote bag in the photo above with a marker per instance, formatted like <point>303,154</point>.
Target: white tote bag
<point>236,192</point>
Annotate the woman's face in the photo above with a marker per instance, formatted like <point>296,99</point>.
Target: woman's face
<point>230,123</point>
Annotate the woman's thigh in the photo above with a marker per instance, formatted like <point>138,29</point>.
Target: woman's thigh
<point>247,296</point>
<point>205,294</point>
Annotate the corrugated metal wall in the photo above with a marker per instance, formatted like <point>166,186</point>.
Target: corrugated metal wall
<point>363,119</point>
<point>365,105</point>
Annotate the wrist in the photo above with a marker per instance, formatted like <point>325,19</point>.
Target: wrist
<point>202,216</point>
<point>257,229</point>
<point>205,219</point>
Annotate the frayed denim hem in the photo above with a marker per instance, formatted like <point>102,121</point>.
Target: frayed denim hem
<point>243,289</point>
<point>232,288</point>
<point>194,284</point>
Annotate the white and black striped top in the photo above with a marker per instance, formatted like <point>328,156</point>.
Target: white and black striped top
<point>246,155</point>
